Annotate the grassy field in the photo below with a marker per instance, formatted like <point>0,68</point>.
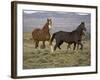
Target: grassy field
<point>44,58</point>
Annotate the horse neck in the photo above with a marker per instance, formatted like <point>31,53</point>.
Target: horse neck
<point>45,28</point>
<point>78,30</point>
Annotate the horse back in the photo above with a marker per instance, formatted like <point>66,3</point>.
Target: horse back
<point>67,36</point>
<point>62,35</point>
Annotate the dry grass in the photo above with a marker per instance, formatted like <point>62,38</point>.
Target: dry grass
<point>43,58</point>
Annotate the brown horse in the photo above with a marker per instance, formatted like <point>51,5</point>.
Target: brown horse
<point>42,34</point>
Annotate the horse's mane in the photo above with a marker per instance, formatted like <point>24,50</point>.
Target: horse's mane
<point>45,26</point>
<point>78,29</point>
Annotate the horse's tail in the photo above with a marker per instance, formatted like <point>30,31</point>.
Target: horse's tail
<point>52,38</point>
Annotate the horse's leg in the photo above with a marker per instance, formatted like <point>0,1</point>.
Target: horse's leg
<point>74,46</point>
<point>77,46</point>
<point>36,44</point>
<point>81,45</point>
<point>59,47</point>
<point>68,46</point>
<point>43,44</point>
<point>60,44</point>
<point>56,45</point>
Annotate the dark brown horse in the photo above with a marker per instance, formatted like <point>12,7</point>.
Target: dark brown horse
<point>69,37</point>
<point>42,34</point>
<point>70,43</point>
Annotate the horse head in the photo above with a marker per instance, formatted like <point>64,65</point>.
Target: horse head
<point>82,26</point>
<point>49,22</point>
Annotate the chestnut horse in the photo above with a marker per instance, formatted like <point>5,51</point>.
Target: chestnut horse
<point>42,34</point>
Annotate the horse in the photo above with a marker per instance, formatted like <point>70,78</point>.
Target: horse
<point>69,44</point>
<point>42,34</point>
<point>69,37</point>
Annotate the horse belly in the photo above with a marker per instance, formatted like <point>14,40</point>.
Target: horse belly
<point>42,37</point>
<point>48,37</point>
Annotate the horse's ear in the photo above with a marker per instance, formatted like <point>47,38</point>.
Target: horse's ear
<point>82,22</point>
<point>47,19</point>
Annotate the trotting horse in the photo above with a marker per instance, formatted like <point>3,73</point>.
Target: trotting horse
<point>69,37</point>
<point>42,34</point>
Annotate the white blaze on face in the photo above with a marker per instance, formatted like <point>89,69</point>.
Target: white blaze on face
<point>49,26</point>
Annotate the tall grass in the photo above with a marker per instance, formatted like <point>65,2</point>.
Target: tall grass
<point>44,58</point>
